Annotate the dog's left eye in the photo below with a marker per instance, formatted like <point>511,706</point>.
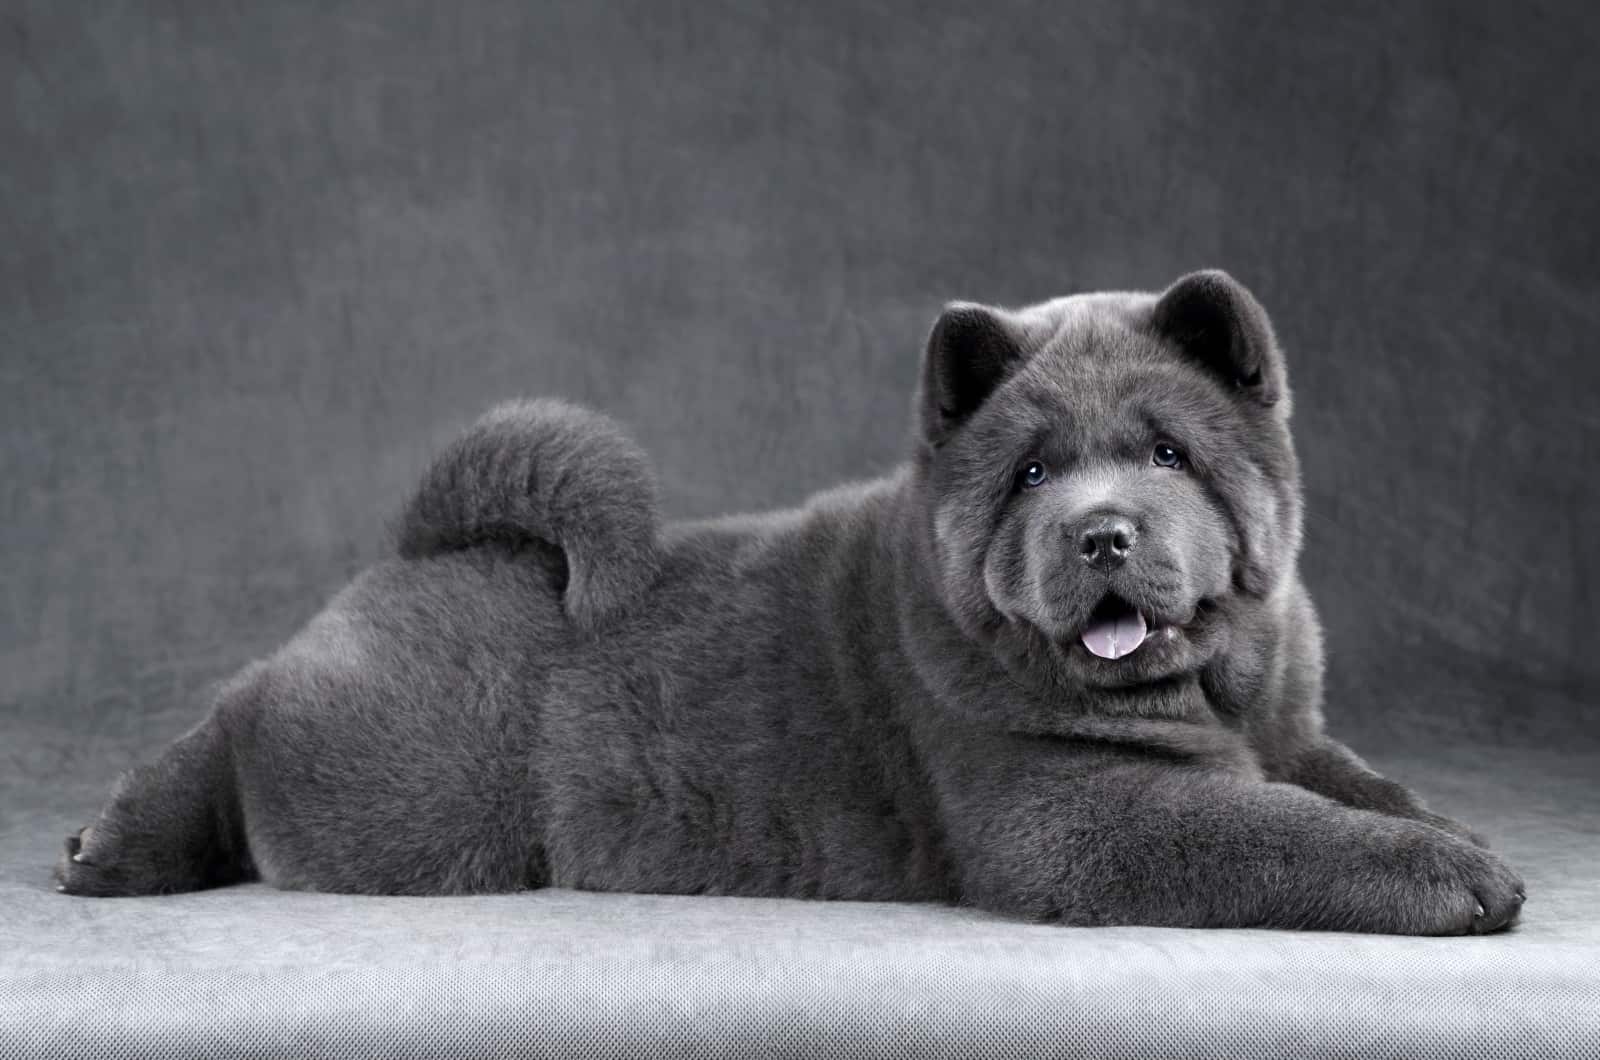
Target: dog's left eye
<point>1166,456</point>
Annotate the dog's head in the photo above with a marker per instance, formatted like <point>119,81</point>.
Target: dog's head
<point>1110,476</point>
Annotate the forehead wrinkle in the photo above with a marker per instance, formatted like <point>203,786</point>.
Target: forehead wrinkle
<point>1088,350</point>
<point>1164,391</point>
<point>1094,486</point>
<point>1099,369</point>
<point>1077,394</point>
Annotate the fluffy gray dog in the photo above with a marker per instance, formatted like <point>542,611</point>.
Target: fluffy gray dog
<point>1061,665</point>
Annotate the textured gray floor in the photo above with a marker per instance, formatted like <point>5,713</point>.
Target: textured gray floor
<point>247,971</point>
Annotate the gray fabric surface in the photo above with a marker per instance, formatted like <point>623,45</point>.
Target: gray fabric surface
<point>257,261</point>
<point>246,971</point>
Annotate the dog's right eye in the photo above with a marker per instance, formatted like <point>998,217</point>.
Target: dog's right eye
<point>1033,474</point>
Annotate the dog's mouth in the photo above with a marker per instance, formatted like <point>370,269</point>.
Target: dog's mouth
<point>1116,628</point>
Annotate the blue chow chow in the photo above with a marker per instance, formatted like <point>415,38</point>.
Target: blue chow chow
<point>1060,665</point>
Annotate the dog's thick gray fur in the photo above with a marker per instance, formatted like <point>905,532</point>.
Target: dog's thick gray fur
<point>888,693</point>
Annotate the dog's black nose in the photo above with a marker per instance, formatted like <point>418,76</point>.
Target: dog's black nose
<point>1105,540</point>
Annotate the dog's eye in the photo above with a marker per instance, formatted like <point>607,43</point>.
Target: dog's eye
<point>1033,474</point>
<point>1166,456</point>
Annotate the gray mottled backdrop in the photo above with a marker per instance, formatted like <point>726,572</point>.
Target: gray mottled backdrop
<point>258,260</point>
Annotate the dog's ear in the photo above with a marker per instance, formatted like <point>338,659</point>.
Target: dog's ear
<point>971,350</point>
<point>1215,320</point>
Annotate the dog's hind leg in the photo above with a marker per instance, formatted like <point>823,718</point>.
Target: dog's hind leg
<point>170,826</point>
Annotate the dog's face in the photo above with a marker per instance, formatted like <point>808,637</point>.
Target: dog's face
<point>1111,480</point>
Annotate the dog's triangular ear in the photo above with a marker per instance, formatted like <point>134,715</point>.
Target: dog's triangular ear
<point>1214,319</point>
<point>971,350</point>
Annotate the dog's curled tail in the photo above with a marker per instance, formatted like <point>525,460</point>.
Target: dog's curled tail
<point>549,471</point>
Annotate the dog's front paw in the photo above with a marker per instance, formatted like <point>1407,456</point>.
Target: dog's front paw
<point>1449,886</point>
<point>74,871</point>
<point>87,866</point>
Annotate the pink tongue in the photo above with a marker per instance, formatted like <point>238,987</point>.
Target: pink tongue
<point>1116,636</point>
